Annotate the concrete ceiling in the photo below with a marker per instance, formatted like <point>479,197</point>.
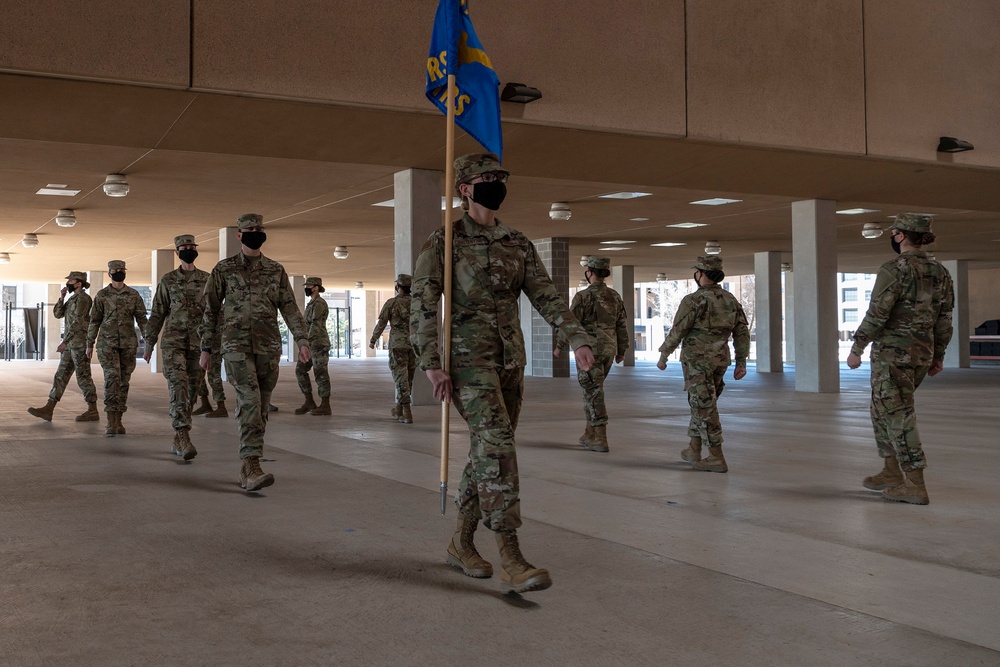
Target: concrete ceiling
<point>195,161</point>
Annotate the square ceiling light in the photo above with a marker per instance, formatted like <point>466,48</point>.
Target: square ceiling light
<point>58,190</point>
<point>615,247</point>
<point>624,195</point>
<point>715,201</point>
<point>638,219</point>
<point>857,211</point>
<point>667,244</point>
<point>391,203</point>
<point>615,242</point>
<point>689,225</point>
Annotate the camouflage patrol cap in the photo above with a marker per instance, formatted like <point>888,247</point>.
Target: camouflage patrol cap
<point>708,263</point>
<point>404,280</point>
<point>77,275</point>
<point>594,262</point>
<point>248,220</point>
<point>314,281</point>
<point>469,166</point>
<point>912,222</point>
<point>184,239</point>
<point>116,265</point>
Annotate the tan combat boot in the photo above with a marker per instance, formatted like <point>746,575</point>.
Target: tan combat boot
<point>44,412</point>
<point>252,478</point>
<point>462,552</point>
<point>516,574</point>
<point>715,462</point>
<point>119,427</point>
<point>599,440</point>
<point>91,415</point>
<point>306,407</point>
<point>202,409</point>
<point>323,408</point>
<point>588,433</point>
<point>112,428</point>
<point>912,490</point>
<point>185,447</point>
<point>406,416</point>
<point>890,477</point>
<point>219,411</point>
<point>693,452</point>
<point>175,448</point>
<point>397,411</point>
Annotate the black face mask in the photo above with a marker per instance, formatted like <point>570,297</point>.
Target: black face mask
<point>894,243</point>
<point>70,287</point>
<point>253,240</point>
<point>187,256</point>
<point>489,195</point>
<point>309,291</point>
<point>118,276</point>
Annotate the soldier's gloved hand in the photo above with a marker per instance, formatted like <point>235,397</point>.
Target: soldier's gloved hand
<point>740,372</point>
<point>304,354</point>
<point>148,355</point>
<point>556,352</point>
<point>662,365</point>
<point>371,346</point>
<point>620,358</point>
<point>584,358</point>
<point>936,367</point>
<point>205,360</point>
<point>442,383</point>
<point>90,353</point>
<point>853,360</point>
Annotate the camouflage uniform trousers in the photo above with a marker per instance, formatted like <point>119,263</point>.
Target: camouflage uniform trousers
<point>489,399</point>
<point>893,415</point>
<point>213,377</point>
<point>74,360</point>
<point>254,377</point>
<point>118,364</point>
<point>703,383</point>
<point>402,363</point>
<point>592,382</point>
<point>319,362</point>
<point>184,377</point>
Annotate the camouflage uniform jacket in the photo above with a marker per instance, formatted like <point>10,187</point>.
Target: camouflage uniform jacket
<point>242,300</point>
<point>909,317</point>
<point>317,311</point>
<point>704,321</point>
<point>491,267</point>
<point>112,314</point>
<point>396,313</point>
<point>76,310</point>
<point>178,308</point>
<point>601,311</point>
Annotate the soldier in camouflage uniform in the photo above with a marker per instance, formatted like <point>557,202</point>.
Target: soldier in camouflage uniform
<point>117,311</point>
<point>178,308</point>
<point>73,349</point>
<point>319,350</point>
<point>602,313</point>
<point>909,325</point>
<point>243,297</point>
<point>213,379</point>
<point>703,323</point>
<point>402,362</point>
<point>493,265</point>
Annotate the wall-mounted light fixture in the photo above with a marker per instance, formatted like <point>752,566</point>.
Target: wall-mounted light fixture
<point>66,217</point>
<point>341,252</point>
<point>560,211</point>
<point>871,230</point>
<point>30,241</point>
<point>953,145</point>
<point>115,185</point>
<point>661,277</point>
<point>359,285</point>
<point>519,93</point>
<point>4,258</point>
<point>713,248</point>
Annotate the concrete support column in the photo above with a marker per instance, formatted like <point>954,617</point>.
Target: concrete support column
<point>161,263</point>
<point>767,297</point>
<point>229,245</point>
<point>96,278</point>
<point>554,253</point>
<point>814,254</point>
<point>299,290</point>
<point>623,280</point>
<point>957,354</point>
<point>53,326</point>
<point>371,317</point>
<point>789,317</point>
<point>416,214</point>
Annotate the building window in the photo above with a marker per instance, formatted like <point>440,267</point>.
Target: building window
<point>849,294</point>
<point>869,276</point>
<point>848,277</point>
<point>850,315</point>
<point>868,295</point>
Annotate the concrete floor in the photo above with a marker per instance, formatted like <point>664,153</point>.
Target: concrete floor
<point>113,552</point>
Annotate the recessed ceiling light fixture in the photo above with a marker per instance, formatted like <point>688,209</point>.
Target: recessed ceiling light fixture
<point>115,185</point>
<point>612,248</point>
<point>624,195</point>
<point>857,211</point>
<point>57,190</point>
<point>66,217</point>
<point>359,285</point>
<point>689,225</point>
<point>871,230</point>
<point>614,242</point>
<point>341,252</point>
<point>715,201</point>
<point>786,266</point>
<point>391,203</point>
<point>30,241</point>
<point>713,248</point>
<point>583,260</point>
<point>638,219</point>
<point>668,244</point>
<point>661,277</point>
<point>560,211</point>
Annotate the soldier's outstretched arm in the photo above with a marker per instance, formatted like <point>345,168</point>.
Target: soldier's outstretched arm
<point>159,312</point>
<point>549,303</point>
<point>684,319</point>
<point>208,332</point>
<point>383,320</point>
<point>886,291</point>
<point>428,284</point>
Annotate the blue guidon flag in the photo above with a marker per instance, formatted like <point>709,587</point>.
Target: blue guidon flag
<point>455,49</point>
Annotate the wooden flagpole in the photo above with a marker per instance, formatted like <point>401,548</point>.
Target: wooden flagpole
<point>449,185</point>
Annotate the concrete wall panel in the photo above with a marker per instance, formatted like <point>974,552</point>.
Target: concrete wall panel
<point>933,69</point>
<point>777,72</point>
<point>136,42</point>
<point>983,302</point>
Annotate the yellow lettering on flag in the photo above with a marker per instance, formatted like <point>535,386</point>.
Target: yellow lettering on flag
<point>467,55</point>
